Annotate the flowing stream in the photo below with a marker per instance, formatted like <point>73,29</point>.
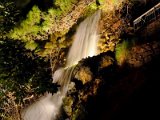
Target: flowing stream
<point>84,45</point>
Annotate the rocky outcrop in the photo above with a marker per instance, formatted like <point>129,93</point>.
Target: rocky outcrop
<point>142,54</point>
<point>85,84</point>
<point>100,87</point>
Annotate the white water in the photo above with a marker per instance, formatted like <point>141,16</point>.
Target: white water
<point>84,45</point>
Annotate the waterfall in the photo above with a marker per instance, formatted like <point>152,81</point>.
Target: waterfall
<point>84,45</point>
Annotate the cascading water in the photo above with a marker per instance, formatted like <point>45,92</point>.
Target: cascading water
<point>84,45</point>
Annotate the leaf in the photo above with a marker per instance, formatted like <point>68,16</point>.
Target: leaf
<point>93,6</point>
<point>62,46</point>
<point>31,45</point>
<point>49,45</point>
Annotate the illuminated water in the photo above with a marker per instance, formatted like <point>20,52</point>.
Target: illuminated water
<point>84,45</point>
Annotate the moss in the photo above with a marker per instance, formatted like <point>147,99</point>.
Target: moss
<point>79,113</point>
<point>122,52</point>
<point>67,105</point>
<point>90,9</point>
<point>31,45</point>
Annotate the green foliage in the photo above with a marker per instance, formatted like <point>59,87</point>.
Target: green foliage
<point>62,7</point>
<point>49,20</point>
<point>22,73</point>
<point>29,27</point>
<point>40,26</point>
<point>91,8</point>
<point>65,5</point>
<point>31,45</point>
<point>122,51</point>
<point>19,66</point>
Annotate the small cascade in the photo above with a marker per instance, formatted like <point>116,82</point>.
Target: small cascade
<point>84,45</point>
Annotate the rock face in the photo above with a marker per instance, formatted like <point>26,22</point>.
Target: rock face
<point>84,75</point>
<point>86,81</point>
<point>142,54</point>
<point>100,88</point>
<point>105,90</point>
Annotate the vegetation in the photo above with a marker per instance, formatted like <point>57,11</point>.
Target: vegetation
<point>9,16</point>
<point>121,52</point>
<point>34,44</point>
<point>39,26</point>
<point>30,46</point>
<point>22,74</point>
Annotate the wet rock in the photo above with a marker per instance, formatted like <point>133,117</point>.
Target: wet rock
<point>84,74</point>
<point>67,105</point>
<point>106,61</point>
<point>100,76</point>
